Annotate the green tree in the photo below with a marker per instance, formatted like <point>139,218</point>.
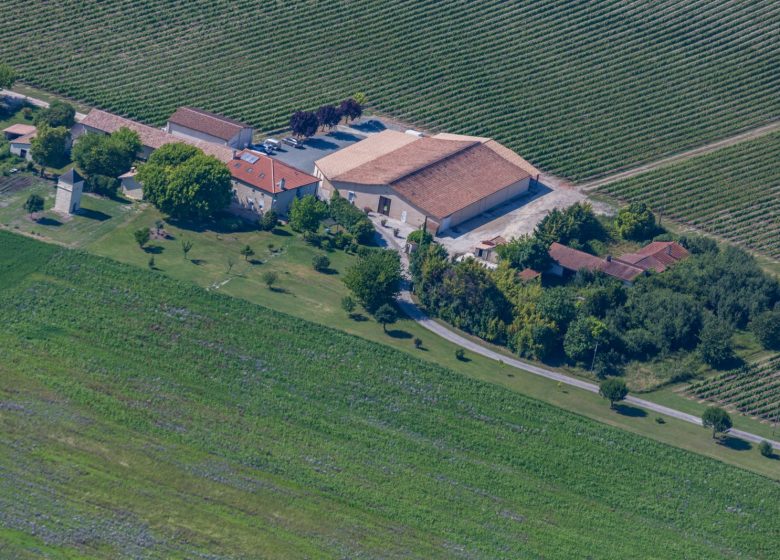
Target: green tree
<point>320,263</point>
<point>269,278</point>
<point>306,213</point>
<point>582,338</point>
<point>526,251</point>
<point>577,223</point>
<point>247,252</point>
<point>348,305</point>
<point>766,327</point>
<point>49,147</point>
<point>765,448</point>
<point>635,222</point>
<point>614,390</point>
<point>269,220</point>
<point>385,315</point>
<point>715,341</point>
<point>186,247</point>
<point>173,154</point>
<point>7,76</point>
<point>375,278</point>
<point>717,419</point>
<point>141,236</point>
<point>59,113</point>
<point>100,156</point>
<point>33,204</point>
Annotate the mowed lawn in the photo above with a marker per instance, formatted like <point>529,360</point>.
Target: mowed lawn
<point>144,417</point>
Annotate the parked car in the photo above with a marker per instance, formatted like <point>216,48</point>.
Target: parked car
<point>263,149</point>
<point>272,143</point>
<point>294,142</point>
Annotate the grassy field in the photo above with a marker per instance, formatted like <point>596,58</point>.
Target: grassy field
<point>578,88</point>
<point>733,193</point>
<point>145,417</point>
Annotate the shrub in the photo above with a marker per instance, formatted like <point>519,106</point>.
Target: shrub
<point>614,390</point>
<point>269,278</point>
<point>320,263</point>
<point>348,304</point>
<point>418,342</point>
<point>659,420</point>
<point>765,448</point>
<point>141,236</point>
<point>269,221</point>
<point>460,354</point>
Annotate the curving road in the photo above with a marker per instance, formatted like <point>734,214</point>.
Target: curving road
<point>411,309</point>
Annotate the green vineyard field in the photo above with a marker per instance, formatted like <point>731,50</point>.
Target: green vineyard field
<point>753,390</point>
<point>733,193</point>
<point>579,88</point>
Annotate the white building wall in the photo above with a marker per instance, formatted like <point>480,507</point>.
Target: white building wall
<point>68,198</point>
<point>239,141</point>
<point>21,150</point>
<point>251,202</point>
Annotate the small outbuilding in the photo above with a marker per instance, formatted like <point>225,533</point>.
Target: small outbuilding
<point>20,137</point>
<point>69,189</point>
<point>131,188</point>
<point>197,124</point>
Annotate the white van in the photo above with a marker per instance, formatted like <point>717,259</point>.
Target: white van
<point>272,143</point>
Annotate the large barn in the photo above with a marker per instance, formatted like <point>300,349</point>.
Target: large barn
<point>437,182</point>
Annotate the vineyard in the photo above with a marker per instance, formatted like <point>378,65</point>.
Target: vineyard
<point>143,417</point>
<point>579,88</point>
<point>733,193</point>
<point>753,390</point>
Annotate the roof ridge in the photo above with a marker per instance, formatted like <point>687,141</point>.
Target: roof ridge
<point>435,161</point>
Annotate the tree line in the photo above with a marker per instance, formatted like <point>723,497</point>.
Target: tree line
<point>307,123</point>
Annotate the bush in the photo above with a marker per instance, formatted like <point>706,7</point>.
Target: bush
<point>348,304</point>
<point>659,420</point>
<point>635,222</point>
<point>418,342</point>
<point>269,221</point>
<point>420,237</point>
<point>320,263</point>
<point>765,448</point>
<point>460,354</point>
<point>312,238</point>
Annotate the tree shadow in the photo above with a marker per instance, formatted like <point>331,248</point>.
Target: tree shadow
<point>321,144</point>
<point>343,136</point>
<point>153,249</point>
<point>281,232</point>
<point>93,214</point>
<point>630,411</point>
<point>329,271</point>
<point>50,222</point>
<point>359,317</point>
<point>255,262</point>
<point>398,333</point>
<point>198,262</point>
<point>735,443</point>
<point>278,290</point>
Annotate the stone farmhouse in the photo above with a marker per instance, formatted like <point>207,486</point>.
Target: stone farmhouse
<point>189,123</point>
<point>262,183</point>
<point>434,182</point>
<point>20,137</point>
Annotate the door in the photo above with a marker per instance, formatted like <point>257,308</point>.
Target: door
<point>384,205</point>
<point>403,216</point>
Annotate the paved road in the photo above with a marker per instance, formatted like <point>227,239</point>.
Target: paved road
<point>34,101</point>
<point>408,306</point>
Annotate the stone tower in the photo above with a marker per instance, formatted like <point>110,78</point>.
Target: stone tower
<point>69,188</point>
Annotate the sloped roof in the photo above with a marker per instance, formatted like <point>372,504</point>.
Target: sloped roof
<point>19,129</point>
<point>207,122</point>
<point>25,139</point>
<point>574,260</point>
<point>359,153</point>
<point>71,176</point>
<point>150,137</point>
<point>658,255</point>
<point>262,172</point>
<point>500,149</point>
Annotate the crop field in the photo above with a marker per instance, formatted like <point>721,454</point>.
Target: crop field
<point>753,390</point>
<point>144,417</point>
<point>579,88</point>
<point>733,193</point>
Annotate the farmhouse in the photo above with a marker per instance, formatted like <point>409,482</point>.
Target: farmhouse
<point>102,122</point>
<point>437,182</point>
<point>196,124</point>
<point>20,137</point>
<point>656,257</point>
<point>261,183</point>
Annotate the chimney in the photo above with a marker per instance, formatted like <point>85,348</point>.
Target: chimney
<point>235,154</point>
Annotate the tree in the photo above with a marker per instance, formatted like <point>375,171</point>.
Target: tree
<point>270,278</point>
<point>59,113</point>
<point>375,278</point>
<point>348,305</point>
<point>320,263</point>
<point>766,327</point>
<point>614,390</point>
<point>385,315</point>
<point>185,185</point>
<point>418,342</point>
<point>765,448</point>
<point>526,251</point>
<point>230,263</point>
<point>328,116</point>
<point>186,247</point>
<point>7,76</point>
<point>577,223</point>
<point>102,158</point>
<point>304,123</point>
<point>717,419</point>
<point>269,220</point>
<point>173,154</point>
<point>141,236</point>
<point>582,338</point>
<point>715,341</point>
<point>33,204</point>
<point>306,213</point>
<point>460,355</point>
<point>247,252</point>
<point>635,222</point>
<point>49,147</point>
<point>351,109</point>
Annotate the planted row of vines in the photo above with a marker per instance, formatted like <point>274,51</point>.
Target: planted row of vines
<point>753,390</point>
<point>580,88</point>
<point>733,193</point>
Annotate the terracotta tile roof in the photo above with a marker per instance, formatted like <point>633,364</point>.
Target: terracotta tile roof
<point>19,129</point>
<point>528,274</point>
<point>574,260</point>
<point>362,152</point>
<point>500,149</point>
<point>207,122</point>
<point>25,139</point>
<point>658,255</point>
<point>150,137</point>
<point>265,173</point>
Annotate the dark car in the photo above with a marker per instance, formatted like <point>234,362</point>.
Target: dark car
<point>294,142</point>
